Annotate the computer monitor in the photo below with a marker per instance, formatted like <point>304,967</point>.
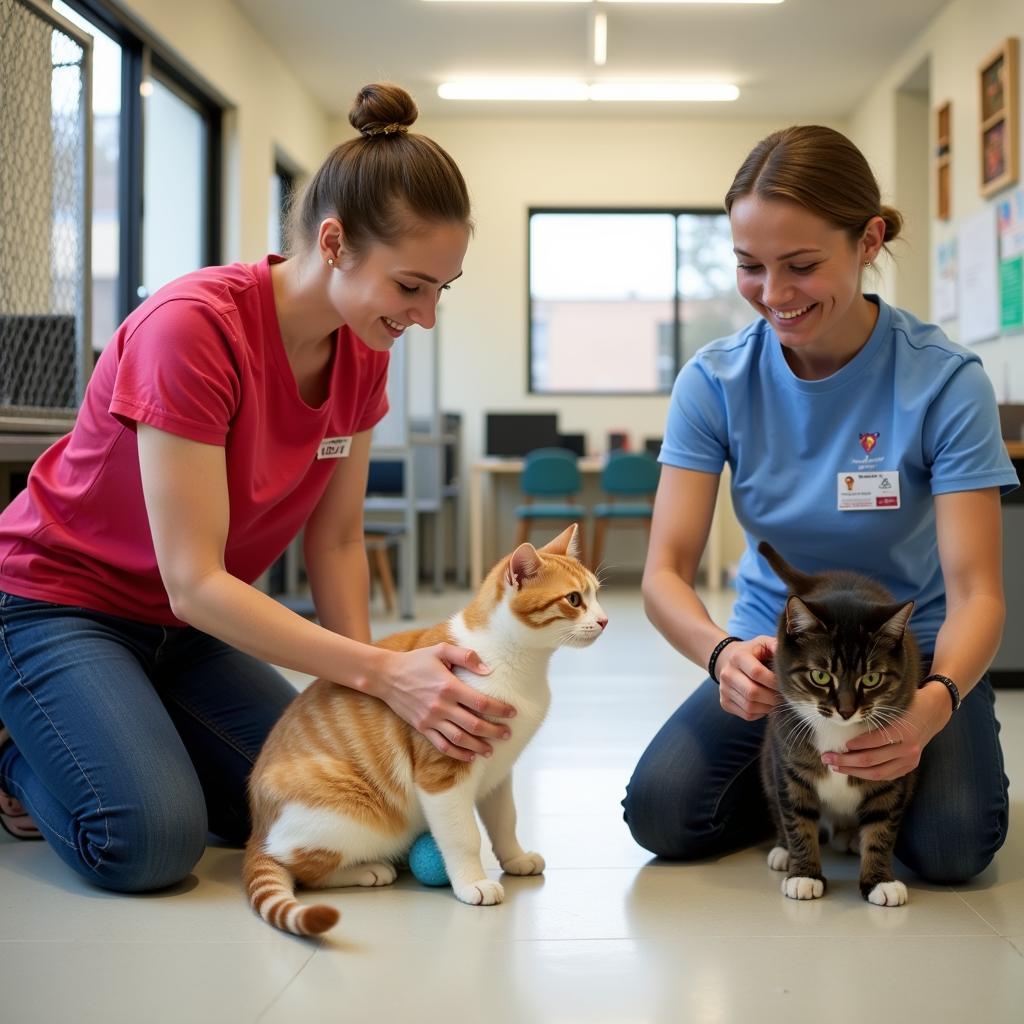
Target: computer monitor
<point>513,434</point>
<point>576,443</point>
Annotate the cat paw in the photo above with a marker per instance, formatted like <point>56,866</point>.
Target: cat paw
<point>798,888</point>
<point>482,893</point>
<point>778,858</point>
<point>376,873</point>
<point>888,894</point>
<point>524,864</point>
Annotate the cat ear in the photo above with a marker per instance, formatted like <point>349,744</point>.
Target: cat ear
<point>800,618</point>
<point>523,563</point>
<point>895,627</point>
<point>566,543</point>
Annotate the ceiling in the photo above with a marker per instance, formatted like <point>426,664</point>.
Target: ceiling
<point>799,59</point>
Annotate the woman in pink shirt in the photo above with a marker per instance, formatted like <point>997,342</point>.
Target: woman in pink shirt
<point>231,409</point>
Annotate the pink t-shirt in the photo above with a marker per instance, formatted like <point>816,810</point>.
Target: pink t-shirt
<point>203,359</point>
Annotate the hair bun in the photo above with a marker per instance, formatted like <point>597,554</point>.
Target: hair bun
<point>382,109</point>
<point>893,222</point>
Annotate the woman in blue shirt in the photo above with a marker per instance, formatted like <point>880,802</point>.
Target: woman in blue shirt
<point>858,438</point>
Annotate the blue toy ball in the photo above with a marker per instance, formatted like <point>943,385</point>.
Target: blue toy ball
<point>426,862</point>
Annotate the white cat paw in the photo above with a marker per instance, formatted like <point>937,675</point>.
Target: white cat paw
<point>524,864</point>
<point>482,893</point>
<point>888,894</point>
<point>798,888</point>
<point>376,873</point>
<point>778,859</point>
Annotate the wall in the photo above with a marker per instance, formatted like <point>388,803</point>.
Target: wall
<point>954,44</point>
<point>270,107</point>
<point>512,164</point>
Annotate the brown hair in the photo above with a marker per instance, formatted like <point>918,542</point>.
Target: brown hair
<point>820,169</point>
<point>378,184</point>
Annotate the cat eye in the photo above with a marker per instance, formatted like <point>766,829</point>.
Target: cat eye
<point>574,598</point>
<point>820,678</point>
<point>870,679</point>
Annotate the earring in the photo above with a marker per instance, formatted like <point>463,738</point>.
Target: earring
<point>867,263</point>
<point>330,261</point>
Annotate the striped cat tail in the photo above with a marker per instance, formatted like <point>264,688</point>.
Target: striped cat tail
<point>271,893</point>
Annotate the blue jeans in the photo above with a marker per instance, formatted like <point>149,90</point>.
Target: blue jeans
<point>696,791</point>
<point>130,740</point>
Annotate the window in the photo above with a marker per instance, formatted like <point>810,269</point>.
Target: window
<point>618,299</point>
<point>156,166</point>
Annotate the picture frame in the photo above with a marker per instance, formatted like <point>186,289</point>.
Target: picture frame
<point>998,130</point>
<point>943,161</point>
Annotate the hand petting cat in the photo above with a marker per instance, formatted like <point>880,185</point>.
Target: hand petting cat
<point>747,686</point>
<point>894,751</point>
<point>420,688</point>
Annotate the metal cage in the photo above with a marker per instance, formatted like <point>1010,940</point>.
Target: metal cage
<point>45,216</point>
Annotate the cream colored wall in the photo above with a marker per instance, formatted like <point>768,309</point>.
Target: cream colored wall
<point>271,109</point>
<point>954,44</point>
<point>511,165</point>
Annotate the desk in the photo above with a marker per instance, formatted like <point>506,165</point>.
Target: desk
<point>482,552</point>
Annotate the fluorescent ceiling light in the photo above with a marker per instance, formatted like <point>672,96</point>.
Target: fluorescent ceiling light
<point>607,1</point>
<point>575,90</point>
<point>680,92</point>
<point>600,38</point>
<point>513,89</point>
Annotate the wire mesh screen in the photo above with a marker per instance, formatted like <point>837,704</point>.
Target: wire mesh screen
<point>45,351</point>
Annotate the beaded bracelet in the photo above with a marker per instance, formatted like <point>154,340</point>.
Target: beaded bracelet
<point>712,661</point>
<point>954,693</point>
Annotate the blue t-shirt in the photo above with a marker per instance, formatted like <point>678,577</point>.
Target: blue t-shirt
<point>911,403</point>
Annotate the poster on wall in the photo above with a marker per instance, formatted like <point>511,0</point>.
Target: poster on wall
<point>944,276</point>
<point>1010,219</point>
<point>978,280</point>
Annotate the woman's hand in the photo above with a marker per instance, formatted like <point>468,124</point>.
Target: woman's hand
<point>894,750</point>
<point>747,688</point>
<point>420,687</point>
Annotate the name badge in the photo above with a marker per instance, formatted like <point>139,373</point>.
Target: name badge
<point>334,448</point>
<point>868,491</point>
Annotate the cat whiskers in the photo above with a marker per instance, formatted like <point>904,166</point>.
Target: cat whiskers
<point>883,715</point>
<point>799,728</point>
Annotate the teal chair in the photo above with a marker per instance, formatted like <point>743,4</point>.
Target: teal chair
<point>550,482</point>
<point>629,481</point>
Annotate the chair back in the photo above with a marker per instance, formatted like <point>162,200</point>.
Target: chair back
<point>564,453</point>
<point>549,474</point>
<point>630,473</point>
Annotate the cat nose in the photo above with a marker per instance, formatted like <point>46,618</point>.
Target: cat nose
<point>847,712</point>
<point>602,621</point>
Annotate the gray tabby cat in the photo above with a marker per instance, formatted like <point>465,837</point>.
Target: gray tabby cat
<point>846,664</point>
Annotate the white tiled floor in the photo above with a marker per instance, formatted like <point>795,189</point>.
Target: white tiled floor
<point>607,935</point>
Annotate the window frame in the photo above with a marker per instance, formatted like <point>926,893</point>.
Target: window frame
<point>677,300</point>
<point>143,56</point>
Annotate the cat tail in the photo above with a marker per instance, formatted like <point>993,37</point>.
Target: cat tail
<point>799,582</point>
<point>270,886</point>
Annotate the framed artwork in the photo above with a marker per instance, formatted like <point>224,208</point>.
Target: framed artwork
<point>997,80</point>
<point>943,161</point>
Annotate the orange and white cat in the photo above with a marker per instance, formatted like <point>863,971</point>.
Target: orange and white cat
<point>343,785</point>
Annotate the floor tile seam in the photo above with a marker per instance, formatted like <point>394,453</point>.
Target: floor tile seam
<point>967,903</point>
<point>319,944</point>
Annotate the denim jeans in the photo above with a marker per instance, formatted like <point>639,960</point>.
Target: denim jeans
<point>130,740</point>
<point>696,791</point>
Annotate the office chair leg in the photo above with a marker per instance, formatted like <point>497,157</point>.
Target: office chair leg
<point>382,564</point>
<point>522,532</point>
<point>582,538</point>
<point>597,553</point>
